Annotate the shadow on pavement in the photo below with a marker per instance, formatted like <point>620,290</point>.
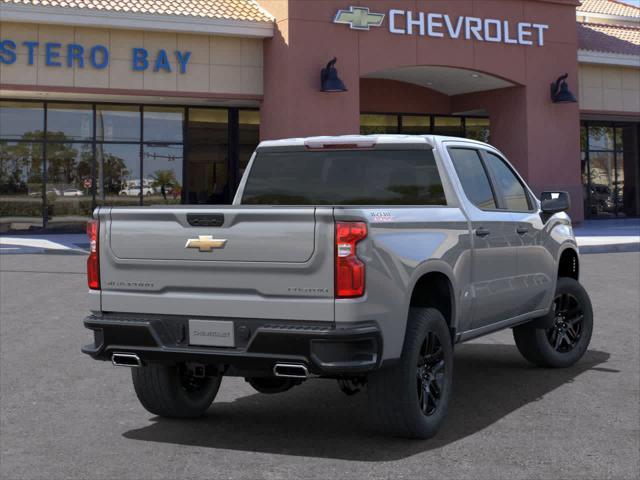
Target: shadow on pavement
<point>317,420</point>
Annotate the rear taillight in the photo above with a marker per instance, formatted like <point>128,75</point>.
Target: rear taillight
<point>93,262</point>
<point>349,269</point>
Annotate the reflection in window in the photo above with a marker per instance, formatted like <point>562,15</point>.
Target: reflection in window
<point>69,182</point>
<point>118,174</point>
<point>162,167</point>
<point>378,124</point>
<point>21,120</point>
<point>601,138</point>
<point>118,123</point>
<point>67,122</point>
<point>602,184</point>
<point>512,190</point>
<point>163,124</point>
<point>348,177</point>
<point>21,185</point>
<point>473,177</point>
<point>207,156</point>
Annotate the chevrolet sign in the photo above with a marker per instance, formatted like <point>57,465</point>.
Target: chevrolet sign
<point>359,18</point>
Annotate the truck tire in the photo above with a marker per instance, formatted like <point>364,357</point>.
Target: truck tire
<point>567,340</point>
<point>410,399</point>
<point>170,391</point>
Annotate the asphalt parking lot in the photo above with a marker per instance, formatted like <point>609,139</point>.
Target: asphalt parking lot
<point>64,415</point>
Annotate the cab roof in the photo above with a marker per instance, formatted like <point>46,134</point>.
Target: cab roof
<point>360,141</point>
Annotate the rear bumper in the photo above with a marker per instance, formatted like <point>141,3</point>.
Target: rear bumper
<point>325,349</point>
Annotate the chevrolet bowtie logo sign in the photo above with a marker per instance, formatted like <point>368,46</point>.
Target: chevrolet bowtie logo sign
<point>359,18</point>
<point>205,243</point>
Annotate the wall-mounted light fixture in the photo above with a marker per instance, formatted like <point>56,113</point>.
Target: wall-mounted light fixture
<point>329,80</point>
<point>560,92</point>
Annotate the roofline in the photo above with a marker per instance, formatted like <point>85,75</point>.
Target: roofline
<point>605,16</point>
<point>608,58</point>
<point>82,17</point>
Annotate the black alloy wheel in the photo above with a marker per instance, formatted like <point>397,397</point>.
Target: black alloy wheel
<point>410,397</point>
<point>430,374</point>
<point>569,319</point>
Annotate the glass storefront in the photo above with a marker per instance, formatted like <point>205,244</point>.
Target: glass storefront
<point>59,160</point>
<point>610,169</point>
<point>477,128</point>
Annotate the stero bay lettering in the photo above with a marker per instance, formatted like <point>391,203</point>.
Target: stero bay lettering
<point>97,56</point>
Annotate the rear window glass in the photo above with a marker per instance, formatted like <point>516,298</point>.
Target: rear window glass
<point>346,177</point>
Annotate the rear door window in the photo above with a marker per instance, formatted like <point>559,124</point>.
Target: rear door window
<point>344,177</point>
<point>510,189</point>
<point>473,177</point>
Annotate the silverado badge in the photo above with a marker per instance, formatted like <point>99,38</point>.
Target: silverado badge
<point>205,243</point>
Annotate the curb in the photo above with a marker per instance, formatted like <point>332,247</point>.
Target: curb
<point>616,248</point>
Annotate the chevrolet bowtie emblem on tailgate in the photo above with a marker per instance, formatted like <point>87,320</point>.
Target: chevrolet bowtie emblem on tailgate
<point>359,18</point>
<point>205,243</point>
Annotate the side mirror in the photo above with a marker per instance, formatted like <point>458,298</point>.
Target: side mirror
<point>555,202</point>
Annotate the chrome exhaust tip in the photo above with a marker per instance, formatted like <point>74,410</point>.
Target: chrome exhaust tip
<point>126,360</point>
<point>290,370</point>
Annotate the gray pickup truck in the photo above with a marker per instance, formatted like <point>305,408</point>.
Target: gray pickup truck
<point>359,258</point>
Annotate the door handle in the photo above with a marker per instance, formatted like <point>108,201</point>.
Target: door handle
<point>482,232</point>
<point>522,230</point>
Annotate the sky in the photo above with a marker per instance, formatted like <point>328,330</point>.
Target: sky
<point>635,3</point>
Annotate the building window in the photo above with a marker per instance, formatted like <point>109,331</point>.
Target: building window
<point>477,128</point>
<point>610,170</point>
<point>371,123</point>
<point>69,122</point>
<point>118,174</point>
<point>162,173</point>
<point>449,126</point>
<point>415,124</point>
<point>207,154</point>
<point>248,138</point>
<point>21,120</point>
<point>59,160</point>
<point>118,123</point>
<point>21,185</point>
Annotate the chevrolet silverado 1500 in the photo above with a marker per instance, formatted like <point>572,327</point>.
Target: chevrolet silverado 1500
<point>360,258</point>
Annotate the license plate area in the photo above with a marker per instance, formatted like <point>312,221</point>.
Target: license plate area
<point>211,333</point>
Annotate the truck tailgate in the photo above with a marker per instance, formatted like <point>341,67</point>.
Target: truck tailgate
<point>249,263</point>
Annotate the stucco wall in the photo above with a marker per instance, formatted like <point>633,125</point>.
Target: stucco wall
<point>378,95</point>
<point>541,138</point>
<point>221,65</point>
<point>609,88</point>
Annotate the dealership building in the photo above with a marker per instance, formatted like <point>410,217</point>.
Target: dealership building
<point>129,102</point>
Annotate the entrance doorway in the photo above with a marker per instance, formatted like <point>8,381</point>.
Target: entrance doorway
<point>611,169</point>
